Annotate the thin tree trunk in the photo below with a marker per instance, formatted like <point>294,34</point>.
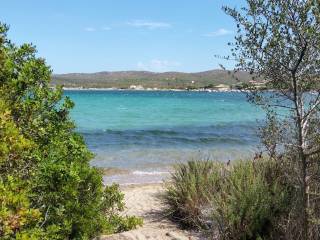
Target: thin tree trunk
<point>304,194</point>
<point>302,158</point>
<point>303,179</point>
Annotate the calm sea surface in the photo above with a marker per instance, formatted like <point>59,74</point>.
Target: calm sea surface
<point>141,134</point>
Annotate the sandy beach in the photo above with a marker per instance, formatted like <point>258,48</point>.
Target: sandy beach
<point>144,201</point>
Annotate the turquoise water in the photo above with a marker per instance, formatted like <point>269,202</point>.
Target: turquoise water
<point>145,132</point>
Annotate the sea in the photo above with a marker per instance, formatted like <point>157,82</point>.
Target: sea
<point>138,136</point>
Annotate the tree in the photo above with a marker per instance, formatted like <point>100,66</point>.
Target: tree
<point>279,41</point>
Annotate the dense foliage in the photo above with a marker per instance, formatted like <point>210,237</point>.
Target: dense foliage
<point>47,188</point>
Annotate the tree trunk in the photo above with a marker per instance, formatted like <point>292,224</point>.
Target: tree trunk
<point>304,196</point>
<point>302,157</point>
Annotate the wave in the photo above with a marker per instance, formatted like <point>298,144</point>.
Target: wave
<point>157,132</point>
<point>137,177</point>
<point>189,136</point>
<point>150,173</point>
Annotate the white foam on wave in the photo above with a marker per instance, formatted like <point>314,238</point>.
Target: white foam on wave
<point>149,173</point>
<point>137,183</point>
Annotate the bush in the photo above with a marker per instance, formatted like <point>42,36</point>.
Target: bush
<point>15,149</point>
<point>113,204</point>
<point>18,220</point>
<point>250,202</point>
<point>56,194</point>
<point>244,200</point>
<point>188,195</point>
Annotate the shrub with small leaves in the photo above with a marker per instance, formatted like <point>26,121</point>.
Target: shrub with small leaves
<point>55,194</point>
<point>113,204</point>
<point>18,220</point>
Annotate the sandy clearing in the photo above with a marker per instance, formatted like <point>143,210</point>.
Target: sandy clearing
<point>144,201</point>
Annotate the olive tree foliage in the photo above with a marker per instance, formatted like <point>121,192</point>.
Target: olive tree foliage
<point>279,41</point>
<point>48,189</point>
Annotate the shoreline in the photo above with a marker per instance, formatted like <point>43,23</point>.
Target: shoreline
<point>141,185</point>
<point>132,178</point>
<point>152,90</point>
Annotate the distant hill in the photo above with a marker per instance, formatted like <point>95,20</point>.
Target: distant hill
<point>166,80</point>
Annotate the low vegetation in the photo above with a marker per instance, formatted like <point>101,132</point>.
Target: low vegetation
<point>48,190</point>
<point>244,200</point>
<point>189,193</point>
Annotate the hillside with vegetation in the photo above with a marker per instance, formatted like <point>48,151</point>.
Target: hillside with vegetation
<point>166,80</point>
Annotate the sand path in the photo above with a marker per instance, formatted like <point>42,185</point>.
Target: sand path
<point>143,201</point>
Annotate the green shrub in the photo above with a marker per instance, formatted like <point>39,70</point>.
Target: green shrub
<point>113,204</point>
<point>244,200</point>
<point>40,149</point>
<point>18,220</point>
<point>15,149</point>
<point>188,195</point>
<point>250,202</point>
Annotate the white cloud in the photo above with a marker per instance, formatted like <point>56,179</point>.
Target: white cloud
<point>148,24</point>
<point>157,65</point>
<point>219,32</point>
<point>90,29</point>
<point>93,29</point>
<point>106,28</point>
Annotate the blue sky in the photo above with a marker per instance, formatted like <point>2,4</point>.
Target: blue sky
<point>116,35</point>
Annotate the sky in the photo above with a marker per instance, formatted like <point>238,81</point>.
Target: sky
<point>120,35</point>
